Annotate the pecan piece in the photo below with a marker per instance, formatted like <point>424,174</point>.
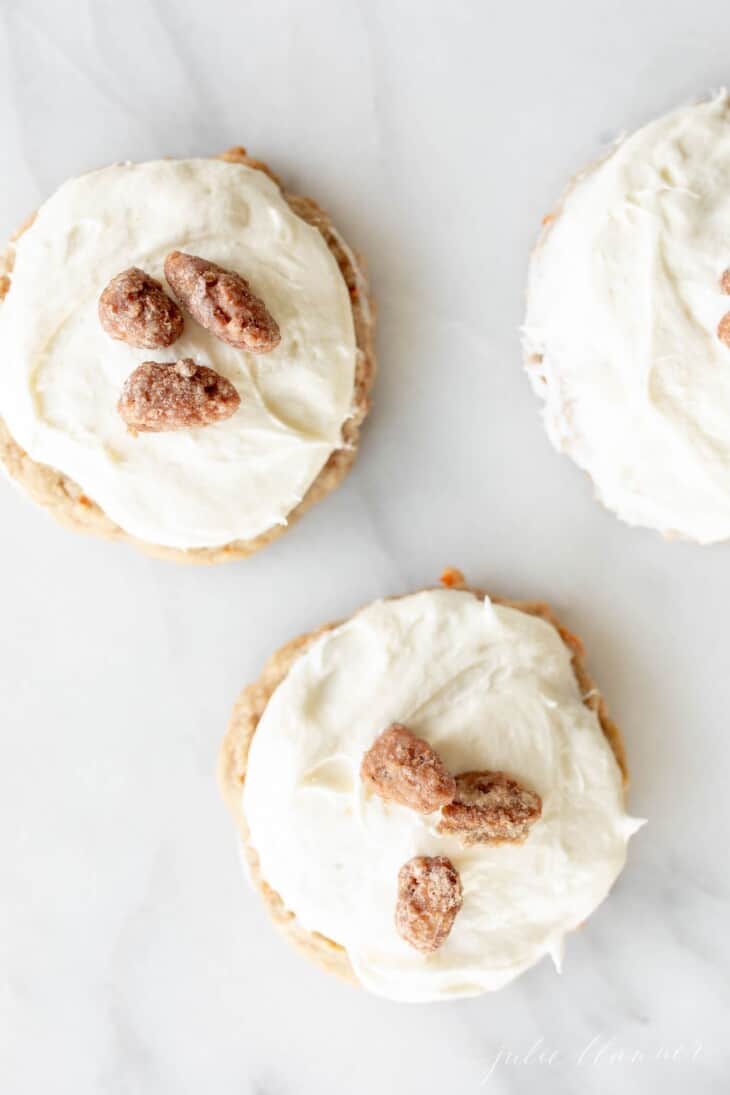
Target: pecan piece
<point>429,897</point>
<point>403,768</point>
<point>175,396</point>
<point>490,808</point>
<point>223,302</point>
<point>135,309</point>
<point>723,329</point>
<point>725,282</point>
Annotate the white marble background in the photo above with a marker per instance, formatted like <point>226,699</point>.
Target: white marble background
<point>132,957</point>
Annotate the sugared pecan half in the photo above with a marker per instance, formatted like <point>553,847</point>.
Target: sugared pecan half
<point>429,897</point>
<point>175,396</point>
<point>223,302</point>
<point>403,768</point>
<point>135,309</point>
<point>490,808</point>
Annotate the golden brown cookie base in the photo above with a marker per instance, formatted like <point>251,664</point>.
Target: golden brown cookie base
<point>245,718</point>
<point>66,501</point>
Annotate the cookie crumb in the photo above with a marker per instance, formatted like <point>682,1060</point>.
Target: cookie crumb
<point>452,578</point>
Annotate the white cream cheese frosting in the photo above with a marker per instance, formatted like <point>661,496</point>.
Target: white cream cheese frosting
<point>61,375</point>
<point>623,308</point>
<point>488,687</point>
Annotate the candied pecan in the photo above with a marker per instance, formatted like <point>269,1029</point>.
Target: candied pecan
<point>429,897</point>
<point>403,768</point>
<point>490,808</point>
<point>723,329</point>
<point>223,302</point>
<point>134,308</point>
<point>175,396</point>
<point>725,281</point>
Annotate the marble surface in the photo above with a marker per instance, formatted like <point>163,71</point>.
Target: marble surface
<point>132,956</point>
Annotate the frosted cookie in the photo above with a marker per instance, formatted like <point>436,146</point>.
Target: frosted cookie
<point>430,795</point>
<point>187,356</point>
<point>627,334</point>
